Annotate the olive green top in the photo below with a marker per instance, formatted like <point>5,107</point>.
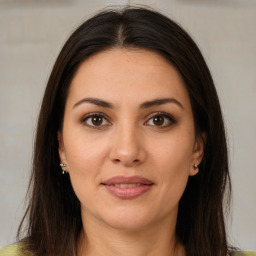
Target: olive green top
<point>14,250</point>
<point>237,254</point>
<point>10,250</point>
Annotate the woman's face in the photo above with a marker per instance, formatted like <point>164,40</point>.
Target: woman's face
<point>128,139</point>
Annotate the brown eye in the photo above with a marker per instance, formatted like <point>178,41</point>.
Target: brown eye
<point>161,120</point>
<point>95,120</point>
<point>158,120</point>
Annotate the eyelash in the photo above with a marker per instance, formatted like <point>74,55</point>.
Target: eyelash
<point>91,115</point>
<point>170,118</point>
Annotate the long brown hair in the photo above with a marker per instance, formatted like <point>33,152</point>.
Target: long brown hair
<point>53,214</point>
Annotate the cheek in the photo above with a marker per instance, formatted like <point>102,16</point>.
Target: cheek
<point>83,152</point>
<point>84,160</point>
<point>172,160</point>
<point>84,171</point>
<point>174,154</point>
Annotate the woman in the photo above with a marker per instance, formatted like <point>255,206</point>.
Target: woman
<point>130,154</point>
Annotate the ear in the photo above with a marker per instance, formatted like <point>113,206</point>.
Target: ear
<point>62,153</point>
<point>198,152</point>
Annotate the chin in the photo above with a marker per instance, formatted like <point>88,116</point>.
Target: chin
<point>127,225</point>
<point>127,219</point>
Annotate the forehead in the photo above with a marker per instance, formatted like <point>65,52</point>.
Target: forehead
<point>118,75</point>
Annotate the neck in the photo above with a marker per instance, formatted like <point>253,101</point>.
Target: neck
<point>99,240</point>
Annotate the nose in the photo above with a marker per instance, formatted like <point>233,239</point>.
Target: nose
<point>127,147</point>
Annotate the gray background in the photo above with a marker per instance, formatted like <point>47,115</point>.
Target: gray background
<point>31,35</point>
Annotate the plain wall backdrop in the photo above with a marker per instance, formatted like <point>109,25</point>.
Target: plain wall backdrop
<point>31,35</point>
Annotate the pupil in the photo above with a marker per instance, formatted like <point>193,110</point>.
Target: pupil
<point>97,120</point>
<point>158,120</point>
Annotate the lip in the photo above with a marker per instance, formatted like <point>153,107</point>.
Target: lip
<point>127,190</point>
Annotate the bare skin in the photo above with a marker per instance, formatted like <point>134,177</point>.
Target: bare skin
<point>128,114</point>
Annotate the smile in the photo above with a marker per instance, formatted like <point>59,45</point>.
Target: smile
<point>127,187</point>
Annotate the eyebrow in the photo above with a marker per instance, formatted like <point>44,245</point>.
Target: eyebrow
<point>158,102</point>
<point>144,105</point>
<point>95,101</point>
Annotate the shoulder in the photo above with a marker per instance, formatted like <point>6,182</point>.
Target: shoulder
<point>12,250</point>
<point>245,253</point>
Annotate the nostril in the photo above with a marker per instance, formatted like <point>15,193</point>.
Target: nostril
<point>119,160</point>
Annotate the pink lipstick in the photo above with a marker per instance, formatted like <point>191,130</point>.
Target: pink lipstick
<point>127,187</point>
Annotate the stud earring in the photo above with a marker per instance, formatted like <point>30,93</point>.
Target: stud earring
<point>196,168</point>
<point>64,171</point>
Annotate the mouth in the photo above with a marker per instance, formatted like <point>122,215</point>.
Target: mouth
<point>127,187</point>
